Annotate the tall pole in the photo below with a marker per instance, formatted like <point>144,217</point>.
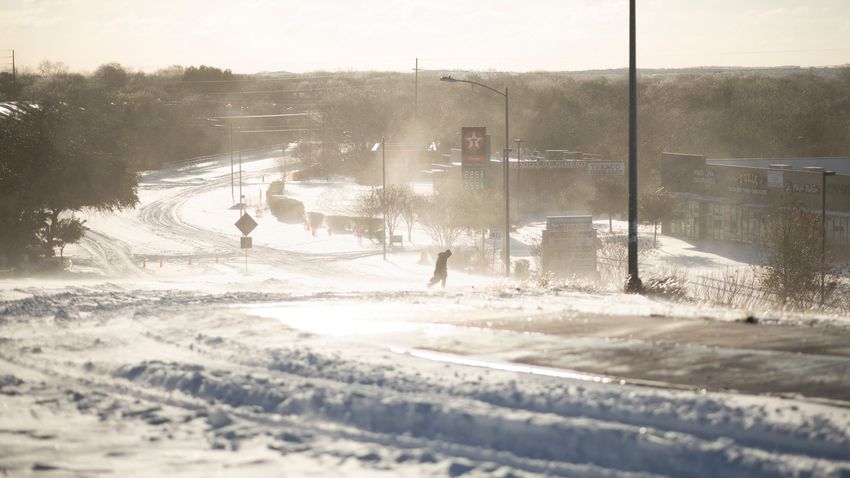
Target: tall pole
<point>283,181</point>
<point>634,284</point>
<point>505,160</point>
<point>416,90</point>
<point>232,194</point>
<point>14,70</point>
<point>241,197</point>
<point>507,193</point>
<point>384,191</point>
<point>518,170</point>
<point>822,234</point>
<point>824,174</point>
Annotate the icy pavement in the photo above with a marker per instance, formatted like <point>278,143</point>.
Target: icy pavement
<point>158,355</point>
<point>168,383</point>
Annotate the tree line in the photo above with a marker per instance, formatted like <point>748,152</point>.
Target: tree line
<point>153,118</point>
<point>114,122</point>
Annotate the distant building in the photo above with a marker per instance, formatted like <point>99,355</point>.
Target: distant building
<point>536,181</point>
<point>726,199</point>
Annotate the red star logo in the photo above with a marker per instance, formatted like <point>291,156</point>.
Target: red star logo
<point>473,141</point>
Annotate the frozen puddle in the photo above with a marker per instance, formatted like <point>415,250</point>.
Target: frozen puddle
<point>377,319</point>
<point>506,367</point>
<point>346,319</point>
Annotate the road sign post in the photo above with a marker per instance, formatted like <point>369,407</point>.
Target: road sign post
<point>245,224</point>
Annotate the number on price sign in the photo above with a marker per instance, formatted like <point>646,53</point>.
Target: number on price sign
<point>473,179</point>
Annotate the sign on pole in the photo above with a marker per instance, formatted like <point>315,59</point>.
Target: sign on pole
<point>473,178</point>
<point>245,224</point>
<point>474,156</point>
<point>474,147</point>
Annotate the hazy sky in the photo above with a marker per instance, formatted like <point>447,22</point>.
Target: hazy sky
<point>517,35</point>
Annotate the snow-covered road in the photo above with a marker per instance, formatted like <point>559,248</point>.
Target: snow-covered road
<point>158,355</point>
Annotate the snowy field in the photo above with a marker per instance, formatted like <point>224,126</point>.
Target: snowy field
<point>163,352</point>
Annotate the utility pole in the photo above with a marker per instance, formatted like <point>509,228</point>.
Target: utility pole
<point>634,285</point>
<point>416,90</point>
<point>324,158</point>
<point>518,164</point>
<point>824,174</point>
<point>232,194</point>
<point>14,71</point>
<point>283,150</point>
<point>384,191</point>
<point>507,157</point>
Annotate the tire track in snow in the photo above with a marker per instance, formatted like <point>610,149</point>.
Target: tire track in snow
<point>111,255</point>
<point>163,216</point>
<point>545,426</point>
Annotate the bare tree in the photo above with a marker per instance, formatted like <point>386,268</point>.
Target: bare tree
<point>655,208</point>
<point>613,254</point>
<point>609,197</point>
<point>440,217</point>
<point>792,254</point>
<point>376,203</point>
<point>368,204</point>
<point>411,205</point>
<point>52,68</point>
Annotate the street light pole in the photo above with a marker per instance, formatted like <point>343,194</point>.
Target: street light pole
<point>505,158</point>
<point>384,191</point>
<point>824,174</point>
<point>518,169</point>
<point>634,284</point>
<point>232,194</point>
<point>283,182</point>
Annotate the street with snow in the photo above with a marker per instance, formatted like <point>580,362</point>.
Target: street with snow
<point>165,350</point>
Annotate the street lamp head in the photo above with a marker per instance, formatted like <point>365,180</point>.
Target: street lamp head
<point>447,78</point>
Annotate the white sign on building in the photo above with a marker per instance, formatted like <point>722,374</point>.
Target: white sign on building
<point>606,168</point>
<point>775,178</point>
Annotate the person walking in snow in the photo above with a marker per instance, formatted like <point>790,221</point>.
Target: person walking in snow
<point>440,272</point>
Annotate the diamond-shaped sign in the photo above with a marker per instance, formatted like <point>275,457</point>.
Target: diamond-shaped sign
<point>246,224</point>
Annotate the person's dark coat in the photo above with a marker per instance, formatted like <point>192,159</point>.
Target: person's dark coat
<point>440,270</point>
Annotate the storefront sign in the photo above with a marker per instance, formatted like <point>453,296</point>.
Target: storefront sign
<point>557,164</point>
<point>749,179</point>
<point>802,188</point>
<point>704,176</point>
<point>754,191</point>
<point>606,168</point>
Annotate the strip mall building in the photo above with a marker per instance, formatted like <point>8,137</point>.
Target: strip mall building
<point>726,199</point>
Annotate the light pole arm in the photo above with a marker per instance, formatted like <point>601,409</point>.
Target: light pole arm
<point>505,168</point>
<point>482,85</point>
